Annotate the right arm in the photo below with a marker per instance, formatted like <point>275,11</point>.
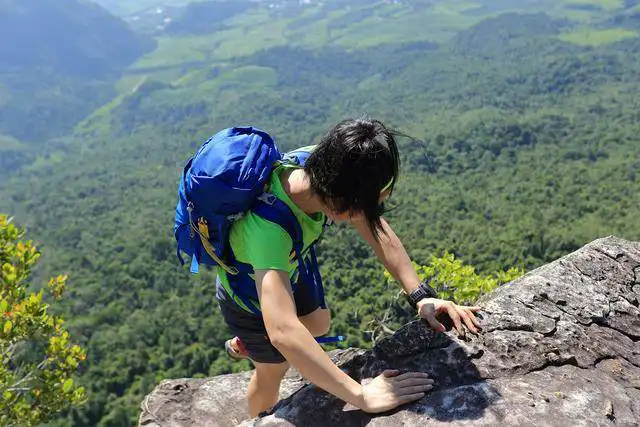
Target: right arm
<point>299,347</point>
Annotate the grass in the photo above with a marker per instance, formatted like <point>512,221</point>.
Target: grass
<point>130,83</point>
<point>448,7</point>
<point>314,34</point>
<point>240,80</point>
<point>599,9</point>
<point>9,143</point>
<point>173,51</point>
<point>250,17</point>
<point>608,5</point>
<point>390,23</point>
<point>256,29</point>
<point>248,40</point>
<point>251,74</point>
<point>570,9</point>
<point>129,7</point>
<point>97,122</point>
<point>592,37</point>
<point>438,24</point>
<point>250,33</point>
<point>581,16</point>
<point>191,78</point>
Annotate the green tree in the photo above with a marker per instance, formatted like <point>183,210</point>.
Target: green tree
<point>451,278</point>
<point>38,357</point>
<point>459,282</point>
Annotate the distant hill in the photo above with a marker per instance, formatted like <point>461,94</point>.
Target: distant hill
<point>507,33</point>
<point>206,16</point>
<point>60,65</point>
<point>129,7</point>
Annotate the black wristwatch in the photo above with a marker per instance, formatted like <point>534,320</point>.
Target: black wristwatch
<point>423,291</point>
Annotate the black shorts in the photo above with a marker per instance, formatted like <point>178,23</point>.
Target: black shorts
<point>250,328</point>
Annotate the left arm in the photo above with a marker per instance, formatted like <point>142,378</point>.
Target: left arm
<point>392,254</point>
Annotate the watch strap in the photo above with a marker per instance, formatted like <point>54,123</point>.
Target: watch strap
<point>424,290</point>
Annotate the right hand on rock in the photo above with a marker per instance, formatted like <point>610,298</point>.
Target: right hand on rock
<point>391,389</point>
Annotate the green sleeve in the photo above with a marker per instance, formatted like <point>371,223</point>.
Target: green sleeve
<point>261,243</point>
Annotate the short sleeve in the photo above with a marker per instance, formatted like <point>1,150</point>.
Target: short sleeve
<point>263,244</point>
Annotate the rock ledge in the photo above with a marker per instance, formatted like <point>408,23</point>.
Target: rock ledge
<point>560,346</point>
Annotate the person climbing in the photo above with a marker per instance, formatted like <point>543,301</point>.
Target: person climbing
<point>346,177</point>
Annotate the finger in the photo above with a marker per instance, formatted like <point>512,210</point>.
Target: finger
<point>474,319</point>
<point>409,398</point>
<point>451,310</point>
<point>467,321</point>
<point>414,389</point>
<point>414,381</point>
<point>388,373</point>
<point>412,375</point>
<point>464,317</point>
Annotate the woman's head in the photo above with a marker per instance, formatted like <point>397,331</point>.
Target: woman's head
<point>354,169</point>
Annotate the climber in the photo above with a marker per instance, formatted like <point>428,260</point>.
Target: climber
<point>347,177</point>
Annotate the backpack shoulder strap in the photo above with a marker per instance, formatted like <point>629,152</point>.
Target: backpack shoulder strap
<point>298,156</point>
<point>272,209</point>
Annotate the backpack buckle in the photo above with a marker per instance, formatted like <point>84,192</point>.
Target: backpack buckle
<point>235,217</point>
<point>191,226</point>
<point>267,198</point>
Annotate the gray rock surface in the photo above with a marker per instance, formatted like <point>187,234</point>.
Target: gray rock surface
<point>560,347</point>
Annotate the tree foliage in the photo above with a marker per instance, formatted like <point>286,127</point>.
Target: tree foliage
<point>38,356</point>
<point>459,282</point>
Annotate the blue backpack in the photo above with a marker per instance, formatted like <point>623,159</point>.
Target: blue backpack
<point>220,183</point>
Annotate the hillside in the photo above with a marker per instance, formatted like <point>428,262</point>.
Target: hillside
<point>525,125</point>
<point>61,64</point>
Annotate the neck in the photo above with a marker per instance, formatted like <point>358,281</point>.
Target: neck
<point>296,183</point>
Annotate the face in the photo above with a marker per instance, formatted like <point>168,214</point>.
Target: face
<point>349,217</point>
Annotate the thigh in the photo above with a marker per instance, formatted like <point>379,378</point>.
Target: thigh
<point>317,322</point>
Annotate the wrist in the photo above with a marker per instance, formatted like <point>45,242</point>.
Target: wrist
<point>422,292</point>
<point>357,396</point>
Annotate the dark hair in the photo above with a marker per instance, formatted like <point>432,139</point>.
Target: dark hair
<point>352,164</point>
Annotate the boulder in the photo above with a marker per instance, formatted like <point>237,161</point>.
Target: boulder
<point>559,346</point>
